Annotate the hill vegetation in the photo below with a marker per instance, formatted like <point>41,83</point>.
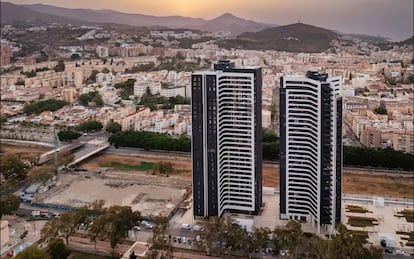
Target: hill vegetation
<point>296,37</point>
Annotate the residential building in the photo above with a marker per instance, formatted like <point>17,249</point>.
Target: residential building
<point>68,95</point>
<point>311,149</point>
<point>102,52</point>
<point>5,55</point>
<point>134,50</point>
<point>226,140</point>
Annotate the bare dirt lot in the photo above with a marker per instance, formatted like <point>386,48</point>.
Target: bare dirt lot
<point>25,151</point>
<point>137,192</point>
<point>355,181</point>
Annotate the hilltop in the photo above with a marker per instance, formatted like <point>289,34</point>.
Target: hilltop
<point>298,37</point>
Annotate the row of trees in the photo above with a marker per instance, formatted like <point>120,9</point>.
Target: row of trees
<point>68,135</point>
<point>220,235</point>
<point>110,224</point>
<point>88,126</point>
<point>353,156</point>
<point>46,105</point>
<point>387,158</point>
<point>150,140</point>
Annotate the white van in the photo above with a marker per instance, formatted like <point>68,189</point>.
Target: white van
<point>186,226</point>
<point>198,228</point>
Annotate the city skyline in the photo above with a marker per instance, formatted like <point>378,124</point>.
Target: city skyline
<point>368,17</point>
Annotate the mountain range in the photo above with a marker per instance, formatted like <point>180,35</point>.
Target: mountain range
<point>47,13</point>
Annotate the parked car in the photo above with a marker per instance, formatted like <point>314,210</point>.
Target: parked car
<point>136,228</point>
<point>198,228</point>
<point>36,213</point>
<point>186,226</point>
<point>399,252</point>
<point>146,224</point>
<point>389,250</point>
<point>45,215</point>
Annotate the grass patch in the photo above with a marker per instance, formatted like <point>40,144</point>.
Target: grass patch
<point>143,166</point>
<point>408,214</point>
<point>79,255</point>
<point>354,208</point>
<point>362,221</point>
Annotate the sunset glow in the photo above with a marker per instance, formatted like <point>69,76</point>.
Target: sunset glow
<point>380,17</point>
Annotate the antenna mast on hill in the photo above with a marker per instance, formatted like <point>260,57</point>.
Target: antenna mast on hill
<point>300,19</point>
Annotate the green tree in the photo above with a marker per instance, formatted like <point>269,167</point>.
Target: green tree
<point>345,245</point>
<point>60,66</point>
<point>269,136</point>
<point>294,236</point>
<point>84,99</point>
<point>46,105</point>
<point>96,229</point>
<point>32,253</point>
<point>163,168</point>
<point>9,204</point>
<point>290,237</point>
<point>160,246</point>
<point>65,226</point>
<point>380,110</point>
<point>92,77</point>
<point>150,140</point>
<point>68,135</point>
<point>113,127</point>
<point>97,99</point>
<point>90,126</point>
<point>126,88</point>
<point>214,234</point>
<point>58,250</point>
<point>260,237</point>
<point>118,220</point>
<point>11,165</point>
<point>42,174</point>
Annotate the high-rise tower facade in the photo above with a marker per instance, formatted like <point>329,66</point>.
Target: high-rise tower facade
<point>311,149</point>
<point>226,140</point>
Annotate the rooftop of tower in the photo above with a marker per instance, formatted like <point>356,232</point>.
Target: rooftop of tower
<point>315,75</point>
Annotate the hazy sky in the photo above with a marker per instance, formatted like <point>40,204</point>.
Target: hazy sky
<point>391,18</point>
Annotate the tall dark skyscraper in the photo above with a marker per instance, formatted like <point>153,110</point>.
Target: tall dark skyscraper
<point>226,140</point>
<point>311,149</point>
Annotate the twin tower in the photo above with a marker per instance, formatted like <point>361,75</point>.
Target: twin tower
<point>227,151</point>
